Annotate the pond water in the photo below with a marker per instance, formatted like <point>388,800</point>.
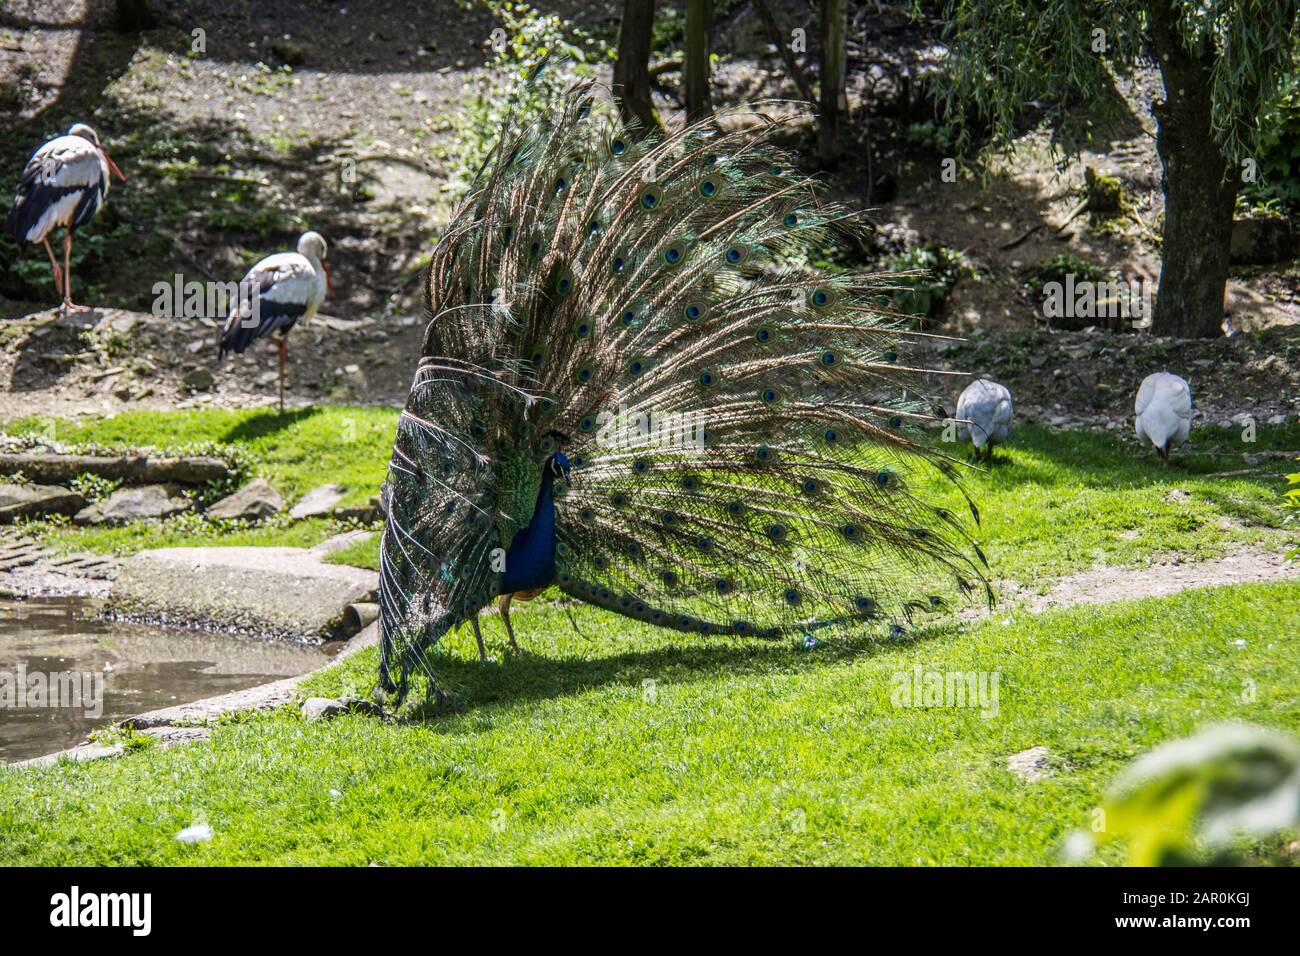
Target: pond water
<point>65,672</point>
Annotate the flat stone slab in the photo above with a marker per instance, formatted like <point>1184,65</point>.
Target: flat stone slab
<point>18,500</point>
<point>317,502</point>
<point>136,468</point>
<point>288,591</point>
<point>136,504</point>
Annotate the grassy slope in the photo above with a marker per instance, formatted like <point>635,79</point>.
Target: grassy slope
<point>1055,502</point>
<point>295,452</point>
<point>739,741</point>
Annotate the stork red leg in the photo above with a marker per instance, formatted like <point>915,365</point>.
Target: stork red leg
<point>54,264</point>
<point>284,353</point>
<point>68,304</point>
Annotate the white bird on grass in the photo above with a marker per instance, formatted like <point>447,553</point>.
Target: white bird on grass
<point>985,411</point>
<point>1164,412</point>
<point>274,295</point>
<point>64,184</point>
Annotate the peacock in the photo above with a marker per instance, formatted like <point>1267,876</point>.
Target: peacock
<point>634,386</point>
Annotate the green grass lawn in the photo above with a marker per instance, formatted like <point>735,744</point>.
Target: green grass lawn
<point>295,451</point>
<point>1056,501</point>
<point>739,751</point>
<point>624,744</point>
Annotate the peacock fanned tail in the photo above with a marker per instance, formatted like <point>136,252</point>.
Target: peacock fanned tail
<point>739,425</point>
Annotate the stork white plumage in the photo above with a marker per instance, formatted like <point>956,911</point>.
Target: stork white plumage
<point>64,184</point>
<point>986,412</point>
<point>274,295</point>
<point>1164,411</point>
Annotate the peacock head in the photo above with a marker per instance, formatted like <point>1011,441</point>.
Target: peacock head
<point>557,466</point>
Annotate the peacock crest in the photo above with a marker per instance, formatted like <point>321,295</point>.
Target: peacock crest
<point>738,428</point>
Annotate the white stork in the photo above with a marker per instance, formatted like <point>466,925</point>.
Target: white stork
<point>64,184</point>
<point>275,294</point>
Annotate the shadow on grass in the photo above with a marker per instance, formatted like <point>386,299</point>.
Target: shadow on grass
<point>484,689</point>
<point>265,423</point>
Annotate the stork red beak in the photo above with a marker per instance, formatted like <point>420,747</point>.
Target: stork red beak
<point>329,286</point>
<point>112,166</point>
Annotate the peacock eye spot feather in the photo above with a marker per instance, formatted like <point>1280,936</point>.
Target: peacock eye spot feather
<point>593,227</point>
<point>673,255</point>
<point>560,183</point>
<point>704,544</point>
<point>850,532</point>
<point>619,500</point>
<point>618,263</point>
<point>640,466</point>
<point>587,423</point>
<point>831,435</point>
<point>628,318</point>
<point>689,484</point>
<point>693,311</point>
<point>793,597</point>
<point>618,147</point>
<point>668,518</point>
<point>820,298</point>
<point>742,627</point>
<point>890,357</point>
<point>669,578</point>
<point>708,188</point>
<point>811,486</point>
<point>735,507</point>
<point>791,220</point>
<point>599,562</point>
<point>895,421</point>
<point>776,532</point>
<point>711,160</point>
<point>633,550</point>
<point>561,548</point>
<point>584,374</point>
<point>706,378</point>
<point>723,586</point>
<point>829,358</point>
<point>763,334</point>
<point>764,454</point>
<point>770,396</point>
<point>582,329</point>
<point>636,367</point>
<point>585,514</point>
<point>650,198</point>
<point>564,284</point>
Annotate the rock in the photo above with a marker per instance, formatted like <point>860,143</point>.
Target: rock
<point>1277,419</point>
<point>199,380</point>
<point>131,467</point>
<point>17,500</point>
<point>323,708</point>
<point>1030,764</point>
<point>318,501</point>
<point>1178,496</point>
<point>143,503</point>
<point>257,499</point>
<point>288,591</point>
<point>1261,241</point>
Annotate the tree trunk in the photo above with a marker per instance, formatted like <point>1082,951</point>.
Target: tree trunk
<point>834,28</point>
<point>632,68</point>
<point>695,77</point>
<point>1199,192</point>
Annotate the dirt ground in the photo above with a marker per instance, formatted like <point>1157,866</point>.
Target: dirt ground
<point>346,123</point>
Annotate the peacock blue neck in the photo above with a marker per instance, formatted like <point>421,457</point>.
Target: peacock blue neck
<point>530,559</point>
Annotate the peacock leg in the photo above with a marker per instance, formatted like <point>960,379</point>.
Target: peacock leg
<point>504,605</point>
<point>478,636</point>
<point>54,264</point>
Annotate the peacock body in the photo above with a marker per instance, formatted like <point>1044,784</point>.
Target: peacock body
<point>633,387</point>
